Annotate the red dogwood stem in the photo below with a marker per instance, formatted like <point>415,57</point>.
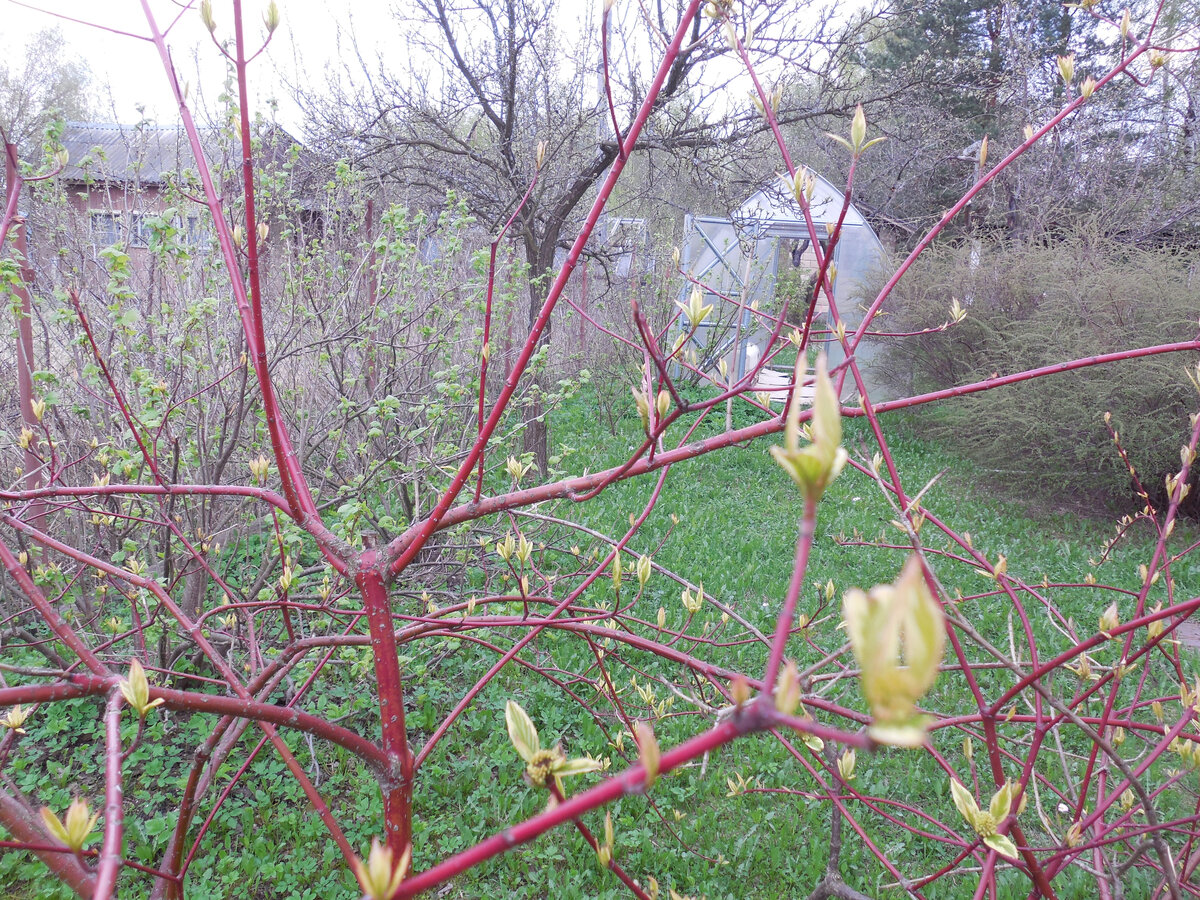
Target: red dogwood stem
<point>114,806</point>
<point>631,781</point>
<point>397,785</point>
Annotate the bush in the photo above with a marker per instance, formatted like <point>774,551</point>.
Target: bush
<point>1032,306</point>
<point>317,569</point>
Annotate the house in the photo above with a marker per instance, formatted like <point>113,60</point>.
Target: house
<point>123,178</point>
<point>117,176</point>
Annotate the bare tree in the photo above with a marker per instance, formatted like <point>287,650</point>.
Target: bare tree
<point>961,70</point>
<point>515,87</point>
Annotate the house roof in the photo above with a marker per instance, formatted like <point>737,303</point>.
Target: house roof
<point>147,154</point>
<point>124,153</point>
<point>777,210</point>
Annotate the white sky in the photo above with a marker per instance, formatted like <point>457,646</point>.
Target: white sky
<point>126,72</point>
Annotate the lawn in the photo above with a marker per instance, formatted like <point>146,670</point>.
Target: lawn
<point>717,828</point>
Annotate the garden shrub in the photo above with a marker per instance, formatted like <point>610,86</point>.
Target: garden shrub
<point>318,568</point>
<point>1035,305</point>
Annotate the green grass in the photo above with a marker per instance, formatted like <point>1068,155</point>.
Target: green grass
<point>738,517</point>
<point>737,522</point>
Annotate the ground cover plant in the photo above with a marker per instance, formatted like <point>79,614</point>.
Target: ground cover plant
<point>271,538</point>
<point>736,494</point>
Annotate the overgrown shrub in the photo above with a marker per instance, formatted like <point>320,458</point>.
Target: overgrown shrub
<point>322,557</point>
<point>1029,306</point>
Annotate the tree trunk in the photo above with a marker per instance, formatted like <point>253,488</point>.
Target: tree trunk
<point>540,254</point>
<point>536,438</point>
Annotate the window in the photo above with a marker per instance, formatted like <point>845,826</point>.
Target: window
<point>106,228</point>
<point>139,234</point>
<point>115,227</point>
<point>195,231</point>
<point>133,229</point>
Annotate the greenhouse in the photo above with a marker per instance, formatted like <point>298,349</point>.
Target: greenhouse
<point>761,255</point>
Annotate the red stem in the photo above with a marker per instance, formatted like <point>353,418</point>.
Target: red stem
<point>595,844</point>
<point>537,629</point>
<point>114,806</point>
<point>631,781</point>
<point>612,109</point>
<point>401,554</point>
<point>397,786</point>
<point>295,488</point>
<point>486,353</point>
<point>194,701</point>
<point>787,614</point>
<point>27,829</point>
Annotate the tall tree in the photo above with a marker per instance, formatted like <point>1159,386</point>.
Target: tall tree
<point>488,81</point>
<point>48,83</point>
<point>976,68</point>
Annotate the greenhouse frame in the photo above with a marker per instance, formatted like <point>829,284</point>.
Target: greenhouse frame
<point>750,262</point>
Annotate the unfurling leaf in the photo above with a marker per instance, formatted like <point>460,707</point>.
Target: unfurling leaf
<point>739,690</point>
<point>521,731</point>
<point>1110,619</point>
<point>815,466</point>
<point>1066,67</point>
<point>15,718</point>
<point>136,690</point>
<point>897,633</point>
<point>643,407</point>
<point>986,822</point>
<point>643,570</point>
<point>964,801</point>
<point>379,878</point>
<point>516,470</point>
<point>541,764</point>
<point>846,764</point>
<point>695,309</point>
<point>1002,844</point>
<point>648,752</point>
<point>663,404</point>
<point>74,831</point>
<point>1001,802</point>
<point>787,691</point>
<point>858,127</point>
<point>206,16</point>
<point>858,143</point>
<point>605,849</point>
